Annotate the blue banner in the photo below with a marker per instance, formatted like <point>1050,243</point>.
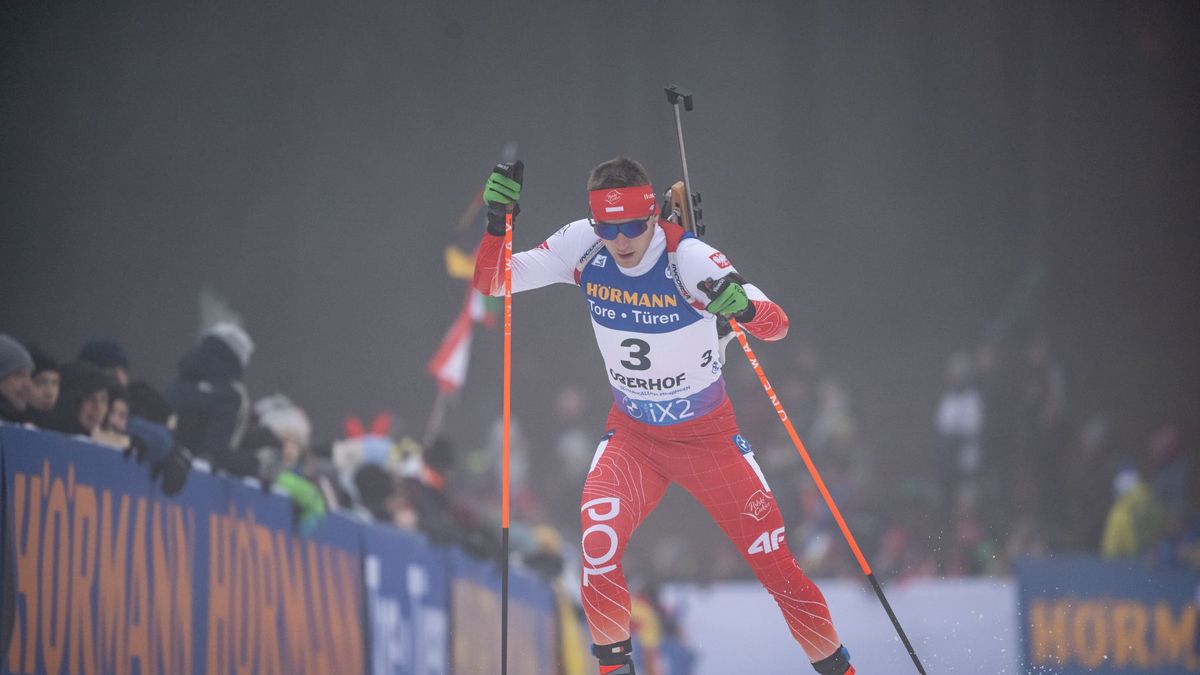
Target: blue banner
<point>407,584</point>
<point>112,577</point>
<point>105,574</point>
<point>1083,615</point>
<point>475,611</point>
<point>304,595</point>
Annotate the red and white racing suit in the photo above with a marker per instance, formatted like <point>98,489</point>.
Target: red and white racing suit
<point>671,420</point>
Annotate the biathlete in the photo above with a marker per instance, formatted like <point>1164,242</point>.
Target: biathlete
<point>654,294</point>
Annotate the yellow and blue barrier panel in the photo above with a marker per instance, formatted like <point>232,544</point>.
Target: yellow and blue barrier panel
<point>1086,615</point>
<point>104,574</point>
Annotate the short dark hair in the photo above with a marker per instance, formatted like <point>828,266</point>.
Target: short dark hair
<point>104,353</point>
<point>617,172</point>
<point>42,362</point>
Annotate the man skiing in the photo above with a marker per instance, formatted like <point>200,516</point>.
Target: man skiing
<point>654,294</point>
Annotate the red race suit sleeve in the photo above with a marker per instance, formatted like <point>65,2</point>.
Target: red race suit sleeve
<point>489,264</point>
<point>770,322</point>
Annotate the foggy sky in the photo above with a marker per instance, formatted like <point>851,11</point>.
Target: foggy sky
<point>886,171</point>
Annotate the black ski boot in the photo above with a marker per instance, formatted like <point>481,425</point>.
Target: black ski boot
<point>615,659</point>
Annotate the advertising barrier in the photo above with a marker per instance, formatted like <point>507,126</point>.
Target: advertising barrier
<point>407,585</point>
<point>475,607</point>
<point>1084,615</point>
<point>104,574</point>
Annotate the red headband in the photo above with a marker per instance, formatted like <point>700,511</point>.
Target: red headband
<point>609,204</point>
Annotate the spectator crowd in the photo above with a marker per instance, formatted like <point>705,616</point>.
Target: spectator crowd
<point>205,417</point>
<point>1026,470</point>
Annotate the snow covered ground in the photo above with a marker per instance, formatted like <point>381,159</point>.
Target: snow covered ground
<point>957,626</point>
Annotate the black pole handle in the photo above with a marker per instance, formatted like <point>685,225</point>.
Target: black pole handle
<point>676,92</point>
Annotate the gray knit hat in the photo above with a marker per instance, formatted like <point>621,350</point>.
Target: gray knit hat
<point>13,356</point>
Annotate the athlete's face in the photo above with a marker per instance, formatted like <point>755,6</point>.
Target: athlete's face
<point>628,251</point>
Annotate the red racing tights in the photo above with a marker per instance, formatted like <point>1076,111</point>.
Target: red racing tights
<point>708,458</point>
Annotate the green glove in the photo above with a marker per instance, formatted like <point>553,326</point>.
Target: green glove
<point>502,189</point>
<point>728,297</point>
<point>306,499</point>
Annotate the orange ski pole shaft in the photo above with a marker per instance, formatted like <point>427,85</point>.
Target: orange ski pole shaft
<point>514,172</point>
<point>504,500</point>
<point>812,470</point>
<point>507,417</point>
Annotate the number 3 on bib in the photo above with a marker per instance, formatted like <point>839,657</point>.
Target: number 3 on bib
<point>638,349</point>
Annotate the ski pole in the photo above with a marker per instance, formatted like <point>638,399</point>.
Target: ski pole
<point>675,94</point>
<point>504,501</point>
<point>514,171</point>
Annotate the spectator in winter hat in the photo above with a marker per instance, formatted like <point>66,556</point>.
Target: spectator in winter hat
<point>107,355</point>
<point>277,436</point>
<point>16,382</point>
<point>45,386</point>
<point>279,439</point>
<point>288,423</point>
<point>82,401</point>
<point>211,401</point>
